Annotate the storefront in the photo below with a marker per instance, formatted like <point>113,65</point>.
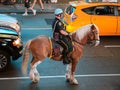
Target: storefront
<point>21,1</point>
<point>103,1</point>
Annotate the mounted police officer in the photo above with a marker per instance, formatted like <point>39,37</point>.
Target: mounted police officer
<point>61,36</point>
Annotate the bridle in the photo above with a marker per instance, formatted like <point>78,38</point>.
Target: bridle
<point>94,34</point>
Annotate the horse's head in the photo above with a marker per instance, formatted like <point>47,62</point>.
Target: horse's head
<point>88,33</point>
<point>93,35</point>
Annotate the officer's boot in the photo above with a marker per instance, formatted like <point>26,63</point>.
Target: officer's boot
<point>66,60</point>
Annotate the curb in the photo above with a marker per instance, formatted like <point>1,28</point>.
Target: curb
<point>19,8</point>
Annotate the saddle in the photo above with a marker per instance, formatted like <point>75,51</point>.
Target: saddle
<point>56,48</point>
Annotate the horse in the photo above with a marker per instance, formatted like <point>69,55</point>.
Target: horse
<point>40,47</point>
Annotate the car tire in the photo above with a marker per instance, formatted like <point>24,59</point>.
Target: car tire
<point>4,60</point>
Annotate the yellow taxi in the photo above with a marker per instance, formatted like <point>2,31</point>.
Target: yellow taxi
<point>105,15</point>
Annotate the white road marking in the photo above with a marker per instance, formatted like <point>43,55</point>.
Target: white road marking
<point>63,76</point>
<point>46,28</point>
<point>109,46</point>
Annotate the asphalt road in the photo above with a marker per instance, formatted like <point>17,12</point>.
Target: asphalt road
<point>98,69</point>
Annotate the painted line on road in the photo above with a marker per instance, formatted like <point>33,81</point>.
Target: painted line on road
<point>109,46</point>
<point>63,76</point>
<point>46,28</point>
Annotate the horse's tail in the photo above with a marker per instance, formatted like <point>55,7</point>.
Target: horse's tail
<point>26,56</point>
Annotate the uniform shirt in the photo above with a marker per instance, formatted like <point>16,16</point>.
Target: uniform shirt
<point>56,27</point>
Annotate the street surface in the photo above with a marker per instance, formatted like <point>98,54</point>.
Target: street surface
<point>98,69</point>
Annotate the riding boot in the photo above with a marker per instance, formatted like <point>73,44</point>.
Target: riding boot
<point>66,60</point>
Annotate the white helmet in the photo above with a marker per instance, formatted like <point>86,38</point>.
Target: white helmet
<point>58,11</point>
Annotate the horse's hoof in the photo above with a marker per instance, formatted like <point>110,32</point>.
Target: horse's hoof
<point>67,80</point>
<point>36,79</point>
<point>35,82</point>
<point>74,82</point>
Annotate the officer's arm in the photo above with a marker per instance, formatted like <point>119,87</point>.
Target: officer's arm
<point>63,32</point>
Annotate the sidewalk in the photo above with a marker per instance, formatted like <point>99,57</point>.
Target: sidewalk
<point>19,8</point>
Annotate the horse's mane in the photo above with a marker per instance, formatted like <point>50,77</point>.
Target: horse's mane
<point>82,31</point>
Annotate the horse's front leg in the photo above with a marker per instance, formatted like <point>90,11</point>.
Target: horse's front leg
<point>73,80</point>
<point>70,73</point>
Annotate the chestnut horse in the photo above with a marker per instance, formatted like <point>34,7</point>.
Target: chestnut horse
<point>41,47</point>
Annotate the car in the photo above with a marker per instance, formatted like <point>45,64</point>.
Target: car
<point>10,47</point>
<point>9,22</point>
<point>105,15</point>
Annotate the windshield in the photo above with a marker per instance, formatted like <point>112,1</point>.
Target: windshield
<point>70,9</point>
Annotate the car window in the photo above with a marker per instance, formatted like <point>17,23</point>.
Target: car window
<point>119,11</point>
<point>104,10</point>
<point>70,9</point>
<point>100,10</point>
<point>88,10</point>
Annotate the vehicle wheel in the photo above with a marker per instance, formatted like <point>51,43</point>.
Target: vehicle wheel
<point>4,60</point>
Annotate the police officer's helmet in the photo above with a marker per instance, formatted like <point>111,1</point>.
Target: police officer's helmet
<point>58,11</point>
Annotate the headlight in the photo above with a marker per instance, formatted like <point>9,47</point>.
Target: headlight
<point>17,42</point>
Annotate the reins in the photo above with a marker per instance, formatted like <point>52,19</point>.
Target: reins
<point>79,43</point>
<point>73,40</point>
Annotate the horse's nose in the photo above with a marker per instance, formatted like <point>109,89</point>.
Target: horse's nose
<point>97,43</point>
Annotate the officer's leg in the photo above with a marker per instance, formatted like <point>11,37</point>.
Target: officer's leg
<point>69,44</point>
<point>65,52</point>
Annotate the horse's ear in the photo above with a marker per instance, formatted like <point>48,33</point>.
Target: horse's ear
<point>92,27</point>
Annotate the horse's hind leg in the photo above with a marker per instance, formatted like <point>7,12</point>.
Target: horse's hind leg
<point>34,74</point>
